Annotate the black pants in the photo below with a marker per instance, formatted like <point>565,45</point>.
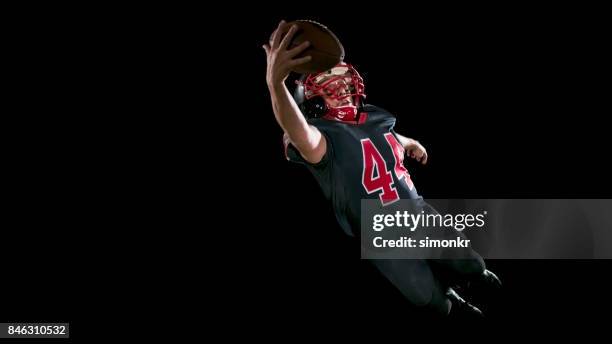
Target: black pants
<point>425,282</point>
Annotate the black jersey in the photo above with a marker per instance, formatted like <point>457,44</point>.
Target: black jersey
<point>362,161</point>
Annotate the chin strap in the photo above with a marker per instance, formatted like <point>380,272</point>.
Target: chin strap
<point>342,114</point>
<point>346,114</point>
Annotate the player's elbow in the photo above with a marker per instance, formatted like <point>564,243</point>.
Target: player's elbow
<point>305,146</point>
<point>312,148</point>
<point>306,139</point>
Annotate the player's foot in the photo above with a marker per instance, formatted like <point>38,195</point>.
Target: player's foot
<point>461,307</point>
<point>490,280</point>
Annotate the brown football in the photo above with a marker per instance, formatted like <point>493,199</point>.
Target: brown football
<point>325,48</point>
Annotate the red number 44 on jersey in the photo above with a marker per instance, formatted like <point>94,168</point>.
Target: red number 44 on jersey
<point>376,176</point>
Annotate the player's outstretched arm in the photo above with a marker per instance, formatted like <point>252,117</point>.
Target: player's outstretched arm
<point>414,148</point>
<point>306,138</point>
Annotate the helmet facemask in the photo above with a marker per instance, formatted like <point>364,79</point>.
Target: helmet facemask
<point>341,87</point>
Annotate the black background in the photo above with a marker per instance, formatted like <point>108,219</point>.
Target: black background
<point>127,123</point>
<point>509,103</point>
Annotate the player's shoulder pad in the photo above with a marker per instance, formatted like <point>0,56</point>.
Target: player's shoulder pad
<point>373,109</point>
<point>379,116</point>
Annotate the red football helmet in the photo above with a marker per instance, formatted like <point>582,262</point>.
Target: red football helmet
<point>338,83</point>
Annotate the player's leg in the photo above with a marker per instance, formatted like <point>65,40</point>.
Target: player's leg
<point>471,270</point>
<point>415,280</point>
<point>459,264</point>
<point>440,303</point>
<point>462,269</point>
<point>412,277</point>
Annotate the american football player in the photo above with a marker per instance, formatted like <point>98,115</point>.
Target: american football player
<point>330,130</point>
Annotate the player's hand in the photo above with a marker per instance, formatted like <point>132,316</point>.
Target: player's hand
<point>416,151</point>
<point>280,59</point>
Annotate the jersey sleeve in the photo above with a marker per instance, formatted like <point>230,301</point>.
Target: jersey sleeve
<point>293,155</point>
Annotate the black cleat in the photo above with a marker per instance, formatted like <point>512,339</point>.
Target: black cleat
<point>461,307</point>
<point>490,280</point>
